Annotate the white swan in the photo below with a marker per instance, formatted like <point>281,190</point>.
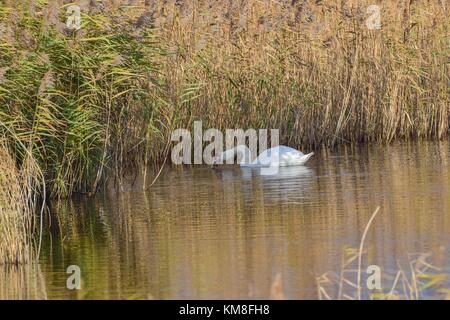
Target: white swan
<point>279,156</point>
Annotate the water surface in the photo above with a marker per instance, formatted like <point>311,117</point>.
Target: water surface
<point>203,233</point>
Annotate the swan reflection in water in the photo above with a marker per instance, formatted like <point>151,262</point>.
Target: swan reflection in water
<point>286,185</point>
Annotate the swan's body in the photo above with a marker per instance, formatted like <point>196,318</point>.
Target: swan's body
<point>279,156</point>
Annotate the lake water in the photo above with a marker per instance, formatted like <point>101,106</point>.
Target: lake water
<point>203,233</point>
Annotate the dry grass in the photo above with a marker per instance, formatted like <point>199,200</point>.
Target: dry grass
<point>16,217</point>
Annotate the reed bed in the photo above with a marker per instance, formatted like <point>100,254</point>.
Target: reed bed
<point>16,218</point>
<point>81,103</point>
<point>102,101</point>
<point>313,69</point>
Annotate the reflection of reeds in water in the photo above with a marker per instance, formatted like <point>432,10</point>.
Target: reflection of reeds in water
<point>277,291</point>
<point>24,282</point>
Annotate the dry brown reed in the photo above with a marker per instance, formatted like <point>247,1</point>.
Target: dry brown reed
<point>16,216</point>
<point>312,69</point>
